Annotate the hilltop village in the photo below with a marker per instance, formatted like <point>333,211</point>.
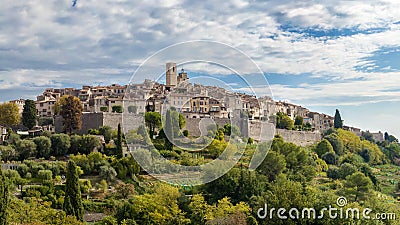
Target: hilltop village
<point>47,164</point>
<point>104,105</point>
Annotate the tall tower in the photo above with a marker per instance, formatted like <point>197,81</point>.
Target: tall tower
<point>170,74</point>
<point>182,76</point>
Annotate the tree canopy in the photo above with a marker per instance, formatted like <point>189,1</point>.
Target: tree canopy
<point>9,114</point>
<point>71,112</point>
<point>153,121</point>
<point>29,114</point>
<point>73,202</point>
<point>4,199</point>
<point>338,123</point>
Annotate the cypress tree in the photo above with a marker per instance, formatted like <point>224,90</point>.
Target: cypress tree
<point>168,130</point>
<point>73,202</point>
<point>386,136</point>
<point>338,123</point>
<point>119,142</point>
<point>29,114</point>
<point>4,200</point>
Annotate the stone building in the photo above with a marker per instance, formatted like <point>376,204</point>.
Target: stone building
<point>20,103</point>
<point>45,102</point>
<point>355,130</point>
<point>170,74</point>
<point>3,134</point>
<point>378,136</point>
<point>182,77</point>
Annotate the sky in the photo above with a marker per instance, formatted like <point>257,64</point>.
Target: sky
<point>323,55</point>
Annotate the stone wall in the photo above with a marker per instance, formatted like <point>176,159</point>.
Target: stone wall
<point>89,121</point>
<point>196,126</point>
<point>379,137</point>
<point>96,120</point>
<point>302,138</point>
<point>266,131</point>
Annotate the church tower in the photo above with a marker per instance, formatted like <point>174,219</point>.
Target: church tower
<point>170,74</point>
<point>182,76</point>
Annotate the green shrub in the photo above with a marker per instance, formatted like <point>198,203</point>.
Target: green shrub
<point>104,108</point>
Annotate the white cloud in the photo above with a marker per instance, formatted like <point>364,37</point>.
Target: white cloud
<point>50,40</point>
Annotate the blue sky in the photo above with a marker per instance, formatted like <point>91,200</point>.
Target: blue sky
<point>320,54</point>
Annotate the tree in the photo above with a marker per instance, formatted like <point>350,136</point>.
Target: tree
<point>9,114</point>
<point>168,131</point>
<point>126,167</point>
<point>323,147</point>
<point>124,190</point>
<point>358,185</point>
<point>182,121</point>
<point>7,153</point>
<point>89,143</point>
<point>346,169</point>
<point>366,155</point>
<point>13,138</point>
<point>284,121</point>
<point>38,212</point>
<point>350,140</point>
<point>333,172</point>
<point>367,136</point>
<point>4,199</point>
<point>71,113</point>
<point>386,136</point>
<point>200,209</point>
<point>392,139</point>
<point>107,132</point>
<point>177,122</point>
<point>330,158</point>
<point>108,173</point>
<point>338,123</point>
<point>118,143</point>
<point>45,121</point>
<point>45,175</point>
<point>26,149</point>
<point>60,143</point>
<point>72,201</point>
<point>29,114</point>
<point>43,146</point>
<point>298,121</point>
<point>76,144</point>
<point>272,165</point>
<point>230,129</point>
<point>336,143</point>
<point>153,121</point>
<point>321,166</point>
<point>160,207</point>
